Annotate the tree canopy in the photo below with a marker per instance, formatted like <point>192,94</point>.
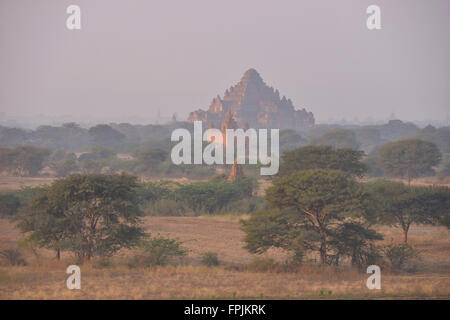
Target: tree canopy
<point>409,158</point>
<point>337,138</point>
<point>401,206</point>
<point>323,157</point>
<point>307,209</point>
<point>85,214</point>
<point>23,160</point>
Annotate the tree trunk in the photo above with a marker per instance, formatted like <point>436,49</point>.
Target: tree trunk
<point>409,177</point>
<point>58,254</point>
<point>323,252</point>
<point>405,234</point>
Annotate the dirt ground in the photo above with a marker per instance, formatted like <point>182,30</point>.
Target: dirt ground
<point>45,278</point>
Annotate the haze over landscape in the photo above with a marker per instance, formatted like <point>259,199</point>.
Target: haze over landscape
<point>242,149</point>
<point>131,61</point>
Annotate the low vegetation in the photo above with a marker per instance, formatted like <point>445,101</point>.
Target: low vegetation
<point>317,218</point>
<point>210,259</point>
<point>157,251</point>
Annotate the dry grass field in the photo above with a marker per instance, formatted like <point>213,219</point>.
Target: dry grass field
<point>45,278</point>
<point>15,183</point>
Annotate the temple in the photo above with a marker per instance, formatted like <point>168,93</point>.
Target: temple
<point>251,102</point>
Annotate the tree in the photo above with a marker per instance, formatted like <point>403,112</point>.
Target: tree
<point>323,157</point>
<point>63,163</point>
<point>9,204</point>
<point>103,153</point>
<point>85,214</point>
<point>306,209</point>
<point>440,137</point>
<point>43,221</point>
<point>11,137</point>
<point>23,160</point>
<point>408,158</point>
<point>96,159</point>
<point>69,137</point>
<point>150,157</point>
<point>401,206</point>
<point>291,139</point>
<point>337,138</point>
<point>369,137</point>
<point>397,129</point>
<point>104,135</point>
<point>354,239</point>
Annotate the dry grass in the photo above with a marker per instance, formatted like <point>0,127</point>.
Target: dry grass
<point>15,183</point>
<point>195,282</point>
<point>426,181</point>
<point>46,278</point>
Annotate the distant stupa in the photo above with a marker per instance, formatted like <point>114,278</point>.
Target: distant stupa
<point>236,171</point>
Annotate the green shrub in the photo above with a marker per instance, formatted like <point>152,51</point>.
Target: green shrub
<point>213,196</point>
<point>11,202</point>
<point>157,251</point>
<point>401,257</point>
<point>12,257</point>
<point>210,259</point>
<point>166,207</point>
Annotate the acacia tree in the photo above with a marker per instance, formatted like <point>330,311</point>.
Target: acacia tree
<point>104,135</point>
<point>401,206</point>
<point>323,157</point>
<point>23,160</point>
<point>150,158</point>
<point>408,158</point>
<point>355,240</point>
<point>43,221</point>
<point>307,208</point>
<point>86,214</point>
<point>337,138</point>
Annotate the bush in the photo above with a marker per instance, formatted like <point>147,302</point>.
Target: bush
<point>11,202</point>
<point>210,259</point>
<point>246,205</point>
<point>157,251</point>
<point>12,257</point>
<point>166,207</point>
<point>401,257</point>
<point>213,196</point>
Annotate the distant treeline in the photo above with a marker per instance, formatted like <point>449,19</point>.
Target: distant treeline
<point>145,150</point>
<point>70,137</point>
<point>24,161</point>
<point>127,138</point>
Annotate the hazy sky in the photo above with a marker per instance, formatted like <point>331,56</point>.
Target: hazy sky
<point>132,57</point>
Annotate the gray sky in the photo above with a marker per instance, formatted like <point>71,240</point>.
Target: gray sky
<point>132,57</point>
